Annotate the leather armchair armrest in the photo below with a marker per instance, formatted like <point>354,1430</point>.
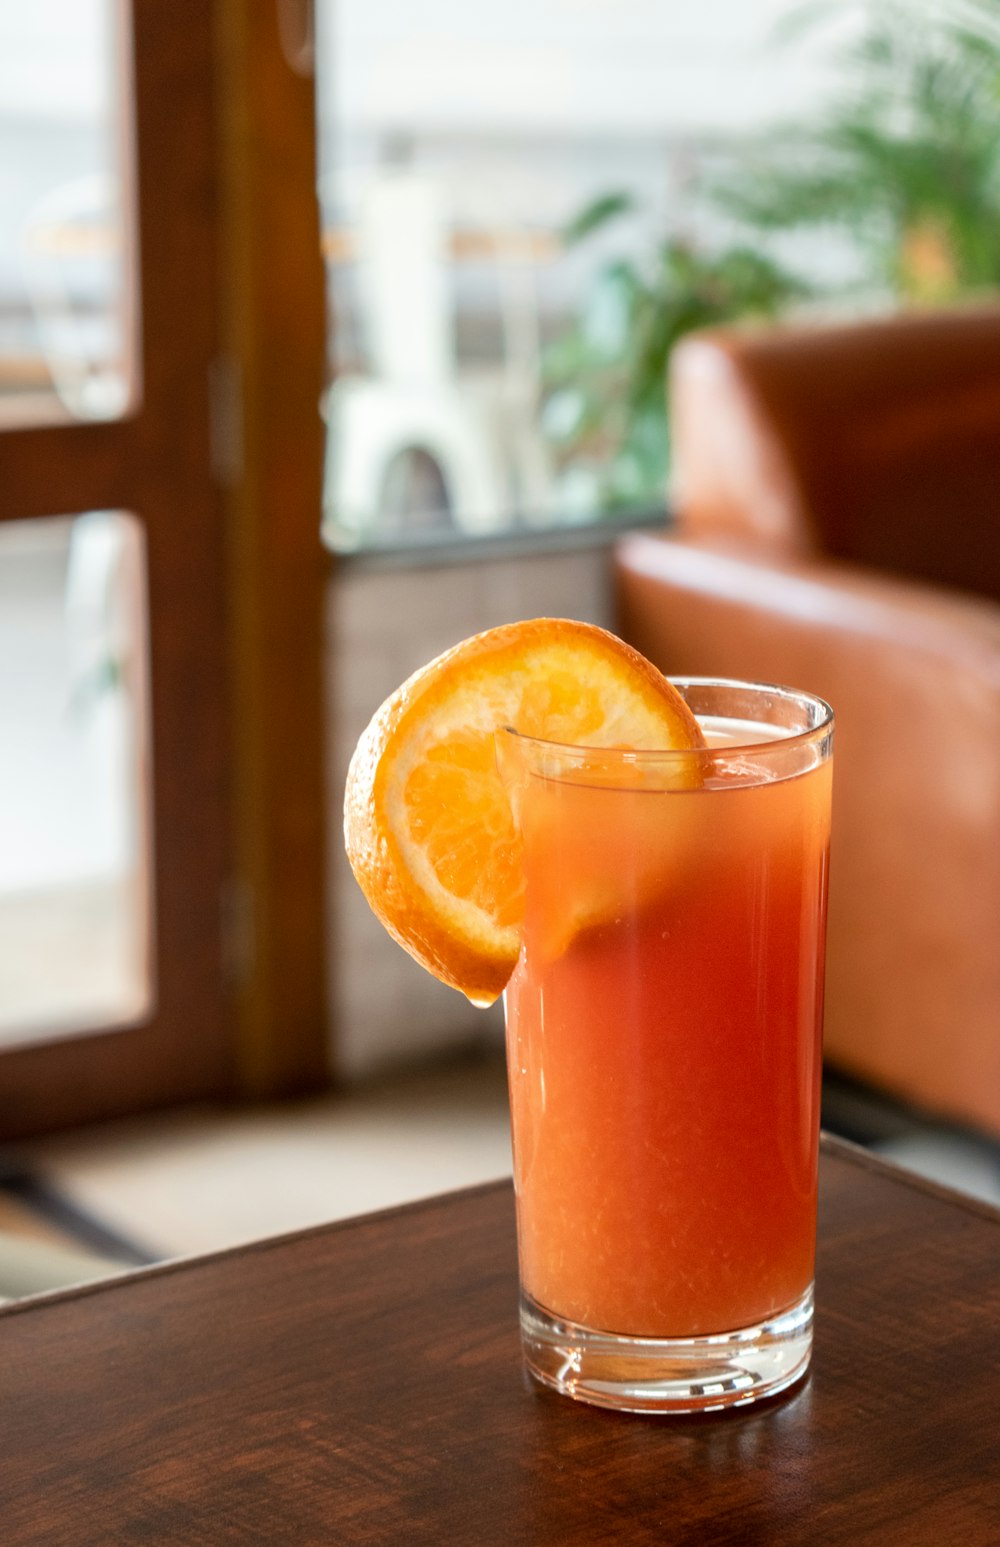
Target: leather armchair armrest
<point>913,674</point>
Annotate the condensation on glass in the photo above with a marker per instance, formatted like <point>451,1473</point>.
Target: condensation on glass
<point>65,280</point>
<point>75,887</point>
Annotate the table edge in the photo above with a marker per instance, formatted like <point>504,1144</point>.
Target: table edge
<point>893,1170</point>
<point>134,1275</point>
<point>830,1144</point>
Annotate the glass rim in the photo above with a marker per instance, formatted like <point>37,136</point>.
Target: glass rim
<point>822,728</point>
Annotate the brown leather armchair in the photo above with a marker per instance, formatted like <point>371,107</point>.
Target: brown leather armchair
<point>838,505</point>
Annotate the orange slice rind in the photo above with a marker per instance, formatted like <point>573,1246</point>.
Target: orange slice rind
<point>428,825</point>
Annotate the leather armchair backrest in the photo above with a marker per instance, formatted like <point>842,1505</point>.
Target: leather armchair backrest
<point>874,441</point>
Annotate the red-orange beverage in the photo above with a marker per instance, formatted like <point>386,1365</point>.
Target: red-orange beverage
<point>664,1055</point>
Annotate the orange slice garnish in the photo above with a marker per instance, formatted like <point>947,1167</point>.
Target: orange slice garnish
<point>427,822</point>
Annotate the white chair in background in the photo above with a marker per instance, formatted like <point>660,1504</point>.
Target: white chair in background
<point>412,397</point>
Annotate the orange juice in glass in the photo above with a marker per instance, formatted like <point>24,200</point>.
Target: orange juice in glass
<point>663,1026</point>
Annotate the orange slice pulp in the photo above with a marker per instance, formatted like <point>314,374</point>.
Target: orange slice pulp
<point>428,825</point>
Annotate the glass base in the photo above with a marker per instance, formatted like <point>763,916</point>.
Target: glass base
<point>668,1375</point>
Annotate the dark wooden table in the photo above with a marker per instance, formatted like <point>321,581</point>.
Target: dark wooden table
<point>361,1383</point>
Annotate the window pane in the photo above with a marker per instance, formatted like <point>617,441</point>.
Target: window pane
<point>490,371</point>
<point>74,872</point>
<point>63,305</point>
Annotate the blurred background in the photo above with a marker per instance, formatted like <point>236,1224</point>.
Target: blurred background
<point>327,336</point>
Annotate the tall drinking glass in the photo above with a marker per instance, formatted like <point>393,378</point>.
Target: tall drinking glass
<point>663,1040</point>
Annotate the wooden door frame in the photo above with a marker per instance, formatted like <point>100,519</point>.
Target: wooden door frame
<point>235,578</point>
<point>275,321</point>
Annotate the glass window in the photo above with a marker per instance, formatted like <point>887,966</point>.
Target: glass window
<point>480,378</point>
<point>64,303</point>
<point>74,872</point>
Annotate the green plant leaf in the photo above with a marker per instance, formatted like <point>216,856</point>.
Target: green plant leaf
<point>603,210</point>
<point>902,162</point>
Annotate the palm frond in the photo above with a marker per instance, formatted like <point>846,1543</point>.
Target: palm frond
<point>600,212</point>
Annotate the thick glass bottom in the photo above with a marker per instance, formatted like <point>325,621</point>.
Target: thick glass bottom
<point>668,1375</point>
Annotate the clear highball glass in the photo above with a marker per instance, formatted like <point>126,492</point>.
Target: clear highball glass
<point>663,1042</point>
